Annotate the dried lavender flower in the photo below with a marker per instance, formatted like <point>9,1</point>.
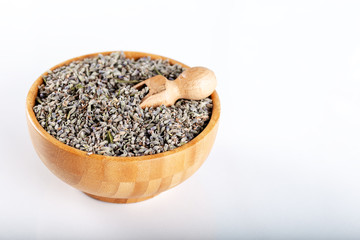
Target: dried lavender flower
<point>91,105</point>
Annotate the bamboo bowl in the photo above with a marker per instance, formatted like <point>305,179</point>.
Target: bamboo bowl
<point>120,179</point>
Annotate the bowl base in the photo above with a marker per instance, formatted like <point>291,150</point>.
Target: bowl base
<point>118,200</point>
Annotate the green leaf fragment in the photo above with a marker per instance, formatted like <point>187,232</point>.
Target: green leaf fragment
<point>78,86</point>
<point>110,138</point>
<point>157,71</point>
<point>124,81</point>
<point>44,79</point>
<point>71,112</point>
<point>39,100</point>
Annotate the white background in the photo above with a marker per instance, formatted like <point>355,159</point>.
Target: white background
<point>286,159</point>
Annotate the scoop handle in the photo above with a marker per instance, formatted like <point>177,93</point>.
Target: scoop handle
<point>195,83</point>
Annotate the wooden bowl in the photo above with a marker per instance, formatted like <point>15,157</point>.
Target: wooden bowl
<point>120,179</point>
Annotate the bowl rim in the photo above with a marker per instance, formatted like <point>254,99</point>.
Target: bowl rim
<point>32,94</point>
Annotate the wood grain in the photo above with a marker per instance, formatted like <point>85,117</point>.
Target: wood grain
<point>120,179</point>
<point>194,83</point>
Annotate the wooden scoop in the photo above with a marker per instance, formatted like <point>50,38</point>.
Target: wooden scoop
<point>194,83</point>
